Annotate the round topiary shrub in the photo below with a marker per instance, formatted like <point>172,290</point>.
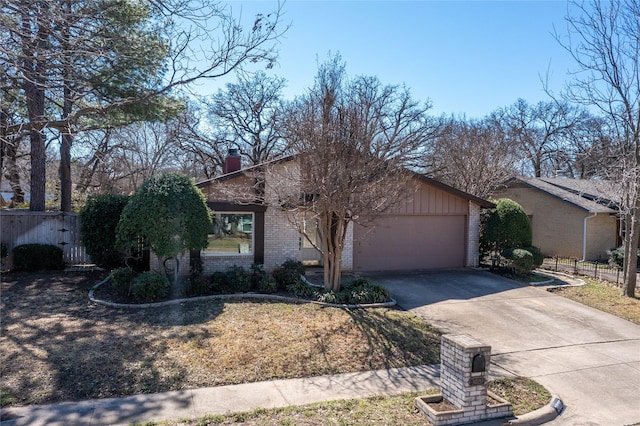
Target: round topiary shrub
<point>504,227</point>
<point>121,280</point>
<point>150,287</point>
<point>170,214</point>
<point>520,260</point>
<point>538,258</point>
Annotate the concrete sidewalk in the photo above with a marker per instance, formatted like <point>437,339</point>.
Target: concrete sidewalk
<point>224,399</point>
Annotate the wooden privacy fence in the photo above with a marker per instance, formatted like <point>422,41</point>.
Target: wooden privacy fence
<point>56,228</point>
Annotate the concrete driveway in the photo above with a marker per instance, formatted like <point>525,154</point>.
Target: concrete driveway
<point>587,357</point>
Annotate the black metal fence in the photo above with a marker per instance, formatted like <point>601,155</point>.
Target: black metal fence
<point>597,270</point>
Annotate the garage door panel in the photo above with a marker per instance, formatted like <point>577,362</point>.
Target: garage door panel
<point>410,242</point>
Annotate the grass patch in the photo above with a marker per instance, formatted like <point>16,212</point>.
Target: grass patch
<point>525,395</point>
<point>605,297</point>
<point>56,346</point>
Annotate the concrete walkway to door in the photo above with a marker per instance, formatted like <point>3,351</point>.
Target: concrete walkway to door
<point>589,358</point>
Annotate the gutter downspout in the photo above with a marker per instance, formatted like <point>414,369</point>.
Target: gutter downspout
<point>584,235</point>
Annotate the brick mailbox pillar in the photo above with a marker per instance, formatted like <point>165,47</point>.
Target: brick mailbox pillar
<point>464,372</point>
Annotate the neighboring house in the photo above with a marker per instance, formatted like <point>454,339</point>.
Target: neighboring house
<point>437,226</point>
<point>569,217</point>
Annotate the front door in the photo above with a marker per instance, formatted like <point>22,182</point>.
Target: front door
<point>309,254</point>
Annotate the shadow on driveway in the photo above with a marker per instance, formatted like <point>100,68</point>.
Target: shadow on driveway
<point>415,289</point>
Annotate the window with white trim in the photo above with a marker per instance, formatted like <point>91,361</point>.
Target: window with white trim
<point>231,234</point>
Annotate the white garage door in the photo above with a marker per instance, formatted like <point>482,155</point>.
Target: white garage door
<point>410,242</point>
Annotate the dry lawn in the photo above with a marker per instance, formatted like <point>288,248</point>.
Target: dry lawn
<point>605,297</point>
<point>57,346</point>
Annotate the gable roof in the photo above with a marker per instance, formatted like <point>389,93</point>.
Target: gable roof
<point>242,172</point>
<point>590,195</point>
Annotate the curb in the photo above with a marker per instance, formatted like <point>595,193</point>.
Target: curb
<point>93,299</point>
<point>542,415</point>
<point>565,275</point>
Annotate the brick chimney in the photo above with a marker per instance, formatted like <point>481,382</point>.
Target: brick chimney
<point>232,162</point>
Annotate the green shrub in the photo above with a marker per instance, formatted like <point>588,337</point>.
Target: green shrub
<point>369,293</point>
<point>616,257</point>
<point>4,250</point>
<point>301,289</point>
<point>327,297</point>
<point>267,285</point>
<point>150,287</point>
<point>169,212</point>
<point>121,280</point>
<point>238,280</point>
<point>504,227</point>
<point>32,257</point>
<point>360,291</point>
<point>288,273</point>
<point>538,258</point>
<point>257,275</point>
<point>294,265</point>
<point>199,285</point>
<point>98,221</point>
<point>218,282</point>
<point>363,291</point>
<point>520,260</point>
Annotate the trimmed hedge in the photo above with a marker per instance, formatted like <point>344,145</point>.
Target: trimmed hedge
<point>33,257</point>
<point>121,280</point>
<point>505,226</point>
<point>99,218</point>
<point>150,287</point>
<point>288,273</point>
<point>520,260</point>
<point>538,258</point>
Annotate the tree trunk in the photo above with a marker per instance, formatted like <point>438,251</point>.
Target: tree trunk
<point>631,252</point>
<point>12,172</point>
<point>38,172</point>
<point>34,90</point>
<point>332,232</point>
<point>67,136</point>
<point>65,172</point>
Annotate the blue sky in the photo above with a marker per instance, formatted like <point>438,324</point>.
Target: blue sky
<point>465,57</point>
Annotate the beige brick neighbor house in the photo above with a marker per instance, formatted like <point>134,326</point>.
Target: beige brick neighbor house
<point>569,217</point>
<point>437,226</point>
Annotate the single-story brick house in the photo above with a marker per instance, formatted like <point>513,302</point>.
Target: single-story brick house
<point>575,218</point>
<point>437,226</point>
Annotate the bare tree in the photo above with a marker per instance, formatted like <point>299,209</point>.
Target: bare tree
<point>474,156</point>
<point>353,139</point>
<point>592,152</point>
<point>247,115</point>
<point>123,158</point>
<point>604,40</point>
<point>540,131</point>
<point>82,65</point>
